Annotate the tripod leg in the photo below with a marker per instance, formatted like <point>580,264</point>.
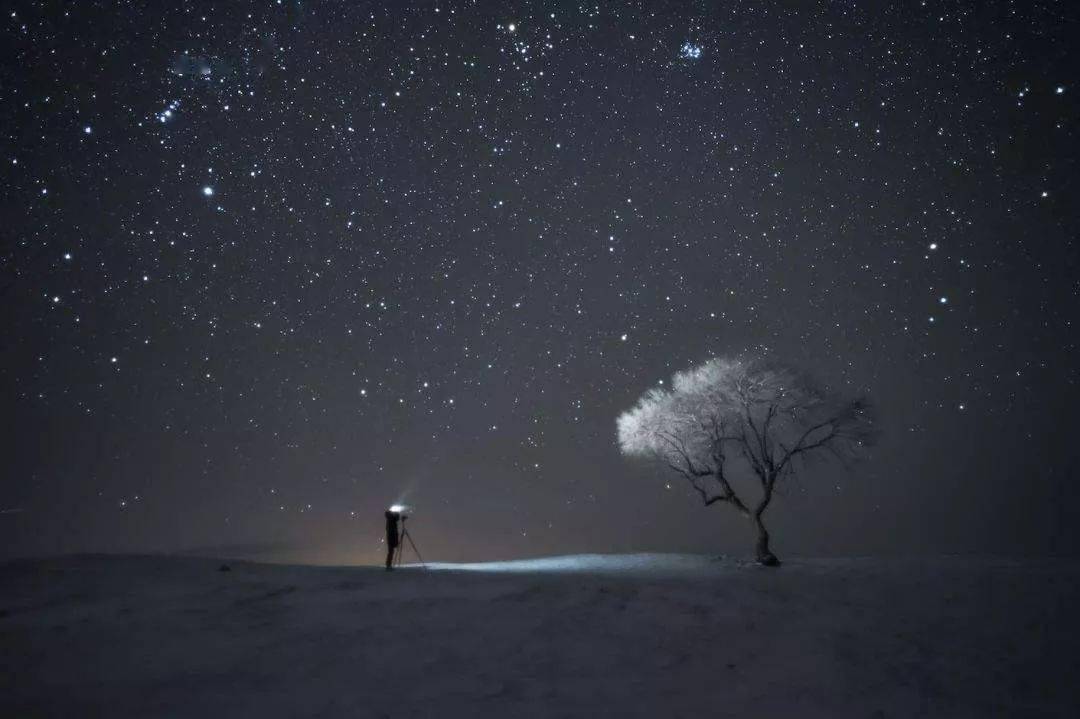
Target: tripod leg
<point>413,545</point>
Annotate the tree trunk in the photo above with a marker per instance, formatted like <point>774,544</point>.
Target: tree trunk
<point>764,555</point>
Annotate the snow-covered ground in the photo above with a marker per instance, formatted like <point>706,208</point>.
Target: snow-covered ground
<point>637,635</point>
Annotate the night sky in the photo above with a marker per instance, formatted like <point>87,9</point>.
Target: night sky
<point>269,267</point>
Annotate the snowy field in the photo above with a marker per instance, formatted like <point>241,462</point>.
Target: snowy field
<point>637,635</point>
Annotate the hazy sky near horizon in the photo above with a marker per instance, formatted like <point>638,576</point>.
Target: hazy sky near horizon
<point>269,267</point>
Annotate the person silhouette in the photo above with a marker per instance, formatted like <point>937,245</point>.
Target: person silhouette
<point>392,537</point>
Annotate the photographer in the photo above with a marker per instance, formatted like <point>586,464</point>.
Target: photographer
<point>392,536</point>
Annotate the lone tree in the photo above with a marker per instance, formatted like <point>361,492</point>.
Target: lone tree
<point>729,422</point>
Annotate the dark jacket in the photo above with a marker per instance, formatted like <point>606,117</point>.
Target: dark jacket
<point>392,537</point>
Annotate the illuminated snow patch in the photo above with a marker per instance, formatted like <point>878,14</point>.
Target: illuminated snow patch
<point>594,563</point>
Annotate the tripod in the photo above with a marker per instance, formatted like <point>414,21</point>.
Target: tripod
<point>401,544</point>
